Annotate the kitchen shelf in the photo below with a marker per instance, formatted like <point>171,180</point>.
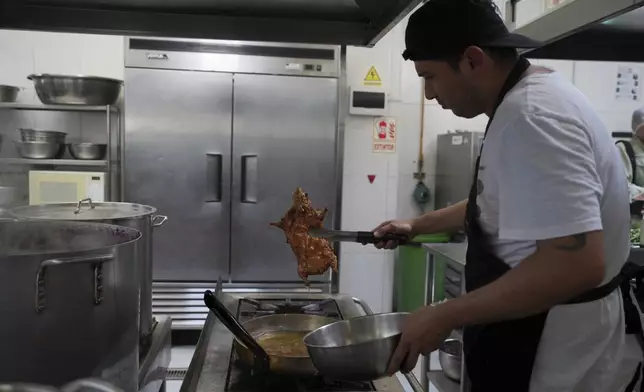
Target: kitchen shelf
<point>58,108</point>
<point>113,159</point>
<point>56,162</point>
<point>440,381</point>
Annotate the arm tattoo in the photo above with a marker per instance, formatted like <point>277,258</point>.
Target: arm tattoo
<point>578,242</point>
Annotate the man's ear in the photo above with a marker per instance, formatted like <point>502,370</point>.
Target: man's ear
<point>474,57</point>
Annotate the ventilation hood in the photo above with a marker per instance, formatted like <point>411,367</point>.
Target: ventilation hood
<point>335,22</point>
<point>594,30</point>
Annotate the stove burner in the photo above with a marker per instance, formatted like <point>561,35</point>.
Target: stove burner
<point>288,306</point>
<point>325,307</point>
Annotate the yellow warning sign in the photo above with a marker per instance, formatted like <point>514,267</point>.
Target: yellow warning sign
<point>372,78</point>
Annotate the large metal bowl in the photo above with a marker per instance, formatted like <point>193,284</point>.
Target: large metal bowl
<point>40,150</point>
<point>8,93</point>
<point>449,356</point>
<point>87,151</point>
<point>76,90</point>
<point>41,135</point>
<point>357,349</point>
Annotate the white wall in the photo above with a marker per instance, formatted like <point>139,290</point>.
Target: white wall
<point>25,52</point>
<point>365,271</point>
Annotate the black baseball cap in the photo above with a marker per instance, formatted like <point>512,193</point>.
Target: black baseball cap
<point>442,28</point>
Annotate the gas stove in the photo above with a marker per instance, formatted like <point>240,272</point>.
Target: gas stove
<point>239,379</point>
<point>215,366</point>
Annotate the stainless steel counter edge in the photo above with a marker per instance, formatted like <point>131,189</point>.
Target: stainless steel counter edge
<point>208,347</point>
<point>453,252</point>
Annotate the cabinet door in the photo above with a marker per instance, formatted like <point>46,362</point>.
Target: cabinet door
<point>284,137</point>
<point>177,159</point>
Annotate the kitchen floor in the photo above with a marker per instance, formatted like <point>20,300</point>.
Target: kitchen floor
<point>181,357</point>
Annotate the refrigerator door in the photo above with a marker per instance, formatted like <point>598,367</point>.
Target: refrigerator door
<point>455,162</point>
<point>177,159</point>
<point>284,138</point>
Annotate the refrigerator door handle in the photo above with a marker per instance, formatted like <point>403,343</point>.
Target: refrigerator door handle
<point>249,179</point>
<point>214,177</point>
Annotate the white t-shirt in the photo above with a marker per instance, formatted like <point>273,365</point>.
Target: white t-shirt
<point>549,169</point>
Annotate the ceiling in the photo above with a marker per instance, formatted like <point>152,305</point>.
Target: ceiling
<point>336,22</point>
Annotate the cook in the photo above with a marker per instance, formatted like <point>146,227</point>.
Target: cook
<point>632,153</point>
<point>546,308</point>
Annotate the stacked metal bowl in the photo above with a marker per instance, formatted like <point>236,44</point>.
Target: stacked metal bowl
<point>76,90</point>
<point>87,151</point>
<point>40,144</point>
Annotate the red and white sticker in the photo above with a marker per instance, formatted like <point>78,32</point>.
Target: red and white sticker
<point>384,135</point>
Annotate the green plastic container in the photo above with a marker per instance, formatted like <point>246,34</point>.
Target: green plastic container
<point>410,274</point>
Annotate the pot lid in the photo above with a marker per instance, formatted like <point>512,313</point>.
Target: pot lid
<point>83,210</point>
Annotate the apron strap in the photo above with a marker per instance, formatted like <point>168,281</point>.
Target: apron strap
<point>632,316</point>
<point>601,291</point>
<point>631,385</point>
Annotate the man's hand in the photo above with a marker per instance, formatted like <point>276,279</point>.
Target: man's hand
<point>424,331</point>
<point>448,219</point>
<point>640,197</point>
<point>405,227</point>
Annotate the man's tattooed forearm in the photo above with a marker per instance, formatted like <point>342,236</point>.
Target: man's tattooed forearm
<point>575,242</point>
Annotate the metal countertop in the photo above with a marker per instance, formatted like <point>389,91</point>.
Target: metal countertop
<point>209,364</point>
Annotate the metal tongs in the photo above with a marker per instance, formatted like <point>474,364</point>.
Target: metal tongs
<point>361,237</point>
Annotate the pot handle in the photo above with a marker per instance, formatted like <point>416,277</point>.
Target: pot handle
<point>93,384</point>
<point>158,220</point>
<point>367,310</point>
<point>261,362</point>
<point>80,203</point>
<point>97,265</point>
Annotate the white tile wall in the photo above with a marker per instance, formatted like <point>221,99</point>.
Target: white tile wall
<point>366,272</point>
<point>72,54</point>
<point>596,80</point>
<point>529,10</point>
<point>26,52</point>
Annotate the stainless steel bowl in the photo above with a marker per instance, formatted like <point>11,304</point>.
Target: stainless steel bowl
<point>40,150</point>
<point>449,356</point>
<point>87,151</point>
<point>76,90</point>
<point>41,135</point>
<point>357,349</point>
<point>8,93</point>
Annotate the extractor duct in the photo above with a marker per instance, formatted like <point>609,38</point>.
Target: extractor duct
<point>335,22</point>
<point>593,30</point>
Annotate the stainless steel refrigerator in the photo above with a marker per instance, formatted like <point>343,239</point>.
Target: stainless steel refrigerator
<point>217,137</point>
<point>456,154</point>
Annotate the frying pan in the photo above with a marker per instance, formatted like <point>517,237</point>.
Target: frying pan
<point>252,354</point>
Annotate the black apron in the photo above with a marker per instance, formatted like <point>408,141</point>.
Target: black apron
<point>500,356</point>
